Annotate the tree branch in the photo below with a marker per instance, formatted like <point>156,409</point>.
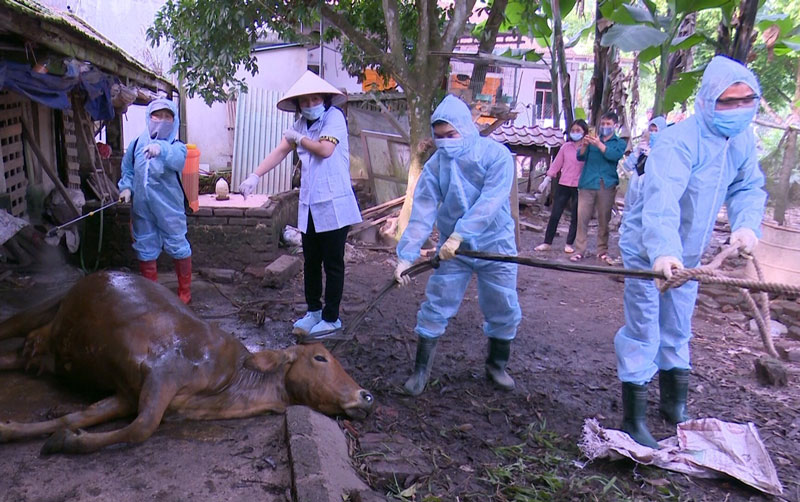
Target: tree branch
<point>370,49</point>
<point>423,33</point>
<point>461,11</point>
<point>397,54</point>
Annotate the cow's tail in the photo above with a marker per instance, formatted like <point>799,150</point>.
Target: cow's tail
<point>21,324</point>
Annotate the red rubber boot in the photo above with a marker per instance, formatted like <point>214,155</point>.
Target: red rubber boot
<point>149,270</point>
<point>183,269</point>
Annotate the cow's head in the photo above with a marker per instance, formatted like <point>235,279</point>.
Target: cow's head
<point>316,379</point>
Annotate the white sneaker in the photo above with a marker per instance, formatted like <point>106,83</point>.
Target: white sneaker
<point>323,328</point>
<point>304,325</point>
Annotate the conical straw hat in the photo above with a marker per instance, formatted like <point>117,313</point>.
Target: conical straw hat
<point>309,83</point>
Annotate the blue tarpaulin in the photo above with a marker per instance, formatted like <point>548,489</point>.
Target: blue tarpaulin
<point>53,91</point>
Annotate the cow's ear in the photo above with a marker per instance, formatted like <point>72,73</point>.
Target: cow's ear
<point>268,361</point>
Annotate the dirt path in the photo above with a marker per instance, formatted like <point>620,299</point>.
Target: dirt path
<point>479,444</point>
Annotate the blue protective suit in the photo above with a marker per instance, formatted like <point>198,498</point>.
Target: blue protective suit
<point>157,213</point>
<point>635,181</point>
<point>691,171</point>
<point>468,194</point>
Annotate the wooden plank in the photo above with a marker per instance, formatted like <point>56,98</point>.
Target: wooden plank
<point>11,130</point>
<point>380,207</point>
<point>48,169</point>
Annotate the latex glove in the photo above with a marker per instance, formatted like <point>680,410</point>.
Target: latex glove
<point>293,136</point>
<point>125,196</point>
<point>247,186</point>
<point>544,185</point>
<point>448,250</point>
<point>152,150</point>
<point>664,265</point>
<point>745,239</point>
<point>402,266</point>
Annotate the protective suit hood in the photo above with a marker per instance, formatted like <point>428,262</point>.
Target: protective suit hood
<point>659,122</point>
<point>456,113</point>
<point>164,104</point>
<point>721,73</point>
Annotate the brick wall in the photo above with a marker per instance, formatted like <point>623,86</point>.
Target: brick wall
<point>231,238</point>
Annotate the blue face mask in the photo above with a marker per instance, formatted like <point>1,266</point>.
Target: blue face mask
<point>576,136</point>
<point>606,131</point>
<point>450,147</point>
<point>730,123</point>
<point>313,112</point>
<point>160,129</point>
<point>653,136</point>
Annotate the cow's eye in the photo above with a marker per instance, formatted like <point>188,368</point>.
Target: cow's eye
<point>320,359</point>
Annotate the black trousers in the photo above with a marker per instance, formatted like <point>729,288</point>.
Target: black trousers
<point>324,249</point>
<point>564,197</point>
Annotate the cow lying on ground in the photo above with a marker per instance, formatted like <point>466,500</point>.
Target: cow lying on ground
<point>125,334</point>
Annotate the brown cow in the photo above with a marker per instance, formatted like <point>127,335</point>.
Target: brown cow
<point>125,334</point>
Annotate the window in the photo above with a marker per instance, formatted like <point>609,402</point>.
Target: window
<point>543,94</point>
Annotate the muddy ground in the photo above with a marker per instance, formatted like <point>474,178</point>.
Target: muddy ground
<point>478,444</point>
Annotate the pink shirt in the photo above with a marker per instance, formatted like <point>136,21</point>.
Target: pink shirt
<point>568,164</point>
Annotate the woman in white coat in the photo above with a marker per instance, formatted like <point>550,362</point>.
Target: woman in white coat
<point>327,205</point>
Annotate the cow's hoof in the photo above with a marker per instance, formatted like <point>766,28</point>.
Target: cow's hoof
<point>57,442</point>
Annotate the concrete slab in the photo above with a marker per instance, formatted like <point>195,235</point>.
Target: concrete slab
<point>235,200</point>
<point>321,468</point>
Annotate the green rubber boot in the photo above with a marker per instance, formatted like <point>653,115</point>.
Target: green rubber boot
<point>499,352</point>
<point>634,412</point>
<point>426,350</point>
<point>674,387</point>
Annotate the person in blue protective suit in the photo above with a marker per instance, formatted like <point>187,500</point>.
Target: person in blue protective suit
<point>636,160</point>
<point>327,205</point>
<point>694,167</point>
<point>464,189</point>
<point>151,178</point>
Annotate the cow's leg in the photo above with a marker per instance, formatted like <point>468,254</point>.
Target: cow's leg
<point>23,323</point>
<point>101,411</point>
<point>153,402</point>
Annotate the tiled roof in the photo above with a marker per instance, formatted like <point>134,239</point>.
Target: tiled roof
<point>549,137</point>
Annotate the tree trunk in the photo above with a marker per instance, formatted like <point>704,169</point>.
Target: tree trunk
<point>600,71</point>
<point>789,157</point>
<point>419,119</point>
<point>634,93</point>
<point>486,44</point>
<point>563,74</point>
<point>554,88</point>
<point>784,180</point>
<point>744,38</point>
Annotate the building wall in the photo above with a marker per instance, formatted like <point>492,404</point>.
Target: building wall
<point>207,126</point>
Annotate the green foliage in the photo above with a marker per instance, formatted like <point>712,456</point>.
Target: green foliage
<point>682,88</point>
<point>211,39</point>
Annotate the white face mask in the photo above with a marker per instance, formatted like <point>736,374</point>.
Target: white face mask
<point>313,112</point>
<point>450,147</point>
<point>159,129</point>
<point>576,136</point>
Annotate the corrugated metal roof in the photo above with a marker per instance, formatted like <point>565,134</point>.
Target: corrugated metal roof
<point>547,137</point>
<point>259,129</point>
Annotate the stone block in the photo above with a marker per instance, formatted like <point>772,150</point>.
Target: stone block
<point>393,459</point>
<point>729,299</point>
<point>220,275</point>
<point>211,221</point>
<point>788,352</point>
<point>257,212</point>
<point>792,309</point>
<point>203,211</point>
<point>793,333</point>
<point>321,465</point>
<point>229,212</point>
<point>775,328</point>
<point>246,222</point>
<point>770,371</point>
<point>280,271</point>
